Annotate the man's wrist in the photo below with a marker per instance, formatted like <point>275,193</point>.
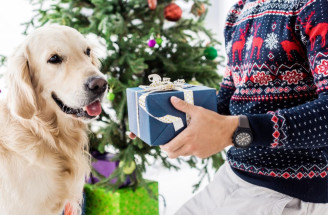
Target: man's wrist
<point>232,125</point>
<point>243,136</point>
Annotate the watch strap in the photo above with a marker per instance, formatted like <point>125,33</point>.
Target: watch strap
<point>243,121</point>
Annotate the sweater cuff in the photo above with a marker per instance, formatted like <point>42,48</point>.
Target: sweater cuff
<point>262,129</point>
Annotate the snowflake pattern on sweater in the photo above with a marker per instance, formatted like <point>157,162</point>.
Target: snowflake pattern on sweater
<point>277,76</point>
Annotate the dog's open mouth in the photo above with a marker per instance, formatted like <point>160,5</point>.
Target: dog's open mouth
<point>90,111</point>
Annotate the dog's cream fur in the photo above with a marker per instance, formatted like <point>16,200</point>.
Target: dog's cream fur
<point>43,151</point>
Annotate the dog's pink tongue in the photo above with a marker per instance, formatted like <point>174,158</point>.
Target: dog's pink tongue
<point>94,109</point>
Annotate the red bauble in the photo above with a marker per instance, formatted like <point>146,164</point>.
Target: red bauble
<point>152,4</point>
<point>172,12</point>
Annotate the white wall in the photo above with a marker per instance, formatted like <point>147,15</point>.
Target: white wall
<point>12,14</point>
<point>217,14</point>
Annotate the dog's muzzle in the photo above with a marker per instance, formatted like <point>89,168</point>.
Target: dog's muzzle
<point>96,87</point>
<point>90,111</point>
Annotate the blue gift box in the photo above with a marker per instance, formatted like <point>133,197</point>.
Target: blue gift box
<point>151,130</point>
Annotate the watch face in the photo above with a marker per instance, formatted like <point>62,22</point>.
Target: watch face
<point>243,139</point>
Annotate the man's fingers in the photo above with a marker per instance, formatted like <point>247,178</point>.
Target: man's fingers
<point>182,105</point>
<point>132,135</point>
<point>172,146</point>
<point>175,144</point>
<point>182,151</point>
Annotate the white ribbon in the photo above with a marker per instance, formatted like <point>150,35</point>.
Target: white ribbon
<point>163,85</point>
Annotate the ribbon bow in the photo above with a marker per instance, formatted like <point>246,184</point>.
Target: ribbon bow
<point>164,85</point>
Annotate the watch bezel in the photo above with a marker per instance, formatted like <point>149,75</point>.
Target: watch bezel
<point>242,130</point>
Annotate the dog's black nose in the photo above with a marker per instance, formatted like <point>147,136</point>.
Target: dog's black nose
<point>96,85</point>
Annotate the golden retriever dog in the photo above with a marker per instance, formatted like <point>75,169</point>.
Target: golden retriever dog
<point>54,89</point>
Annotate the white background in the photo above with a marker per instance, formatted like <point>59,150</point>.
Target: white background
<point>175,187</point>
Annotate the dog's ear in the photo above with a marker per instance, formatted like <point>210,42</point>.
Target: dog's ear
<point>21,94</point>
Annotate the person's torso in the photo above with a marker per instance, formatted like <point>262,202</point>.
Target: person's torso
<point>270,68</point>
<point>267,57</point>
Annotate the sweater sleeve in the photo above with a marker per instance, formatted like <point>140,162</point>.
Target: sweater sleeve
<point>227,89</point>
<point>306,125</point>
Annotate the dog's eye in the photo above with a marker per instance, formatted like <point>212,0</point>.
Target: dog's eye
<point>55,59</point>
<point>87,52</point>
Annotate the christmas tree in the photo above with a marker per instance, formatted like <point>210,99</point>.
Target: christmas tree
<point>141,38</point>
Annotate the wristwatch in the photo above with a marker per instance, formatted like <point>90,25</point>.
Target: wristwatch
<point>243,136</point>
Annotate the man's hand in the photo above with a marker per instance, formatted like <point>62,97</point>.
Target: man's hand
<point>208,132</point>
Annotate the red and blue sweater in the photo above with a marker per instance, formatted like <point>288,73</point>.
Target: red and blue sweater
<point>277,75</point>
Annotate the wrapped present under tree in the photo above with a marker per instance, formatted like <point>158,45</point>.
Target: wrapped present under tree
<point>124,201</point>
<point>101,199</point>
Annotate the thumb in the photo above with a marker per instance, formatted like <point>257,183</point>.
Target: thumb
<point>182,105</point>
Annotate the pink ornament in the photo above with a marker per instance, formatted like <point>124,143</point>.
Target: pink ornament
<point>151,43</point>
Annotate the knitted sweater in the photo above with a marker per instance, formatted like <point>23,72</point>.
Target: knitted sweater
<point>277,75</point>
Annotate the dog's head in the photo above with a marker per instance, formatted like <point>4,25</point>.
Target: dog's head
<point>55,68</point>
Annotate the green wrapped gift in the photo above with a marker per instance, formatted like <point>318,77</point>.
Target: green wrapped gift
<point>100,201</point>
